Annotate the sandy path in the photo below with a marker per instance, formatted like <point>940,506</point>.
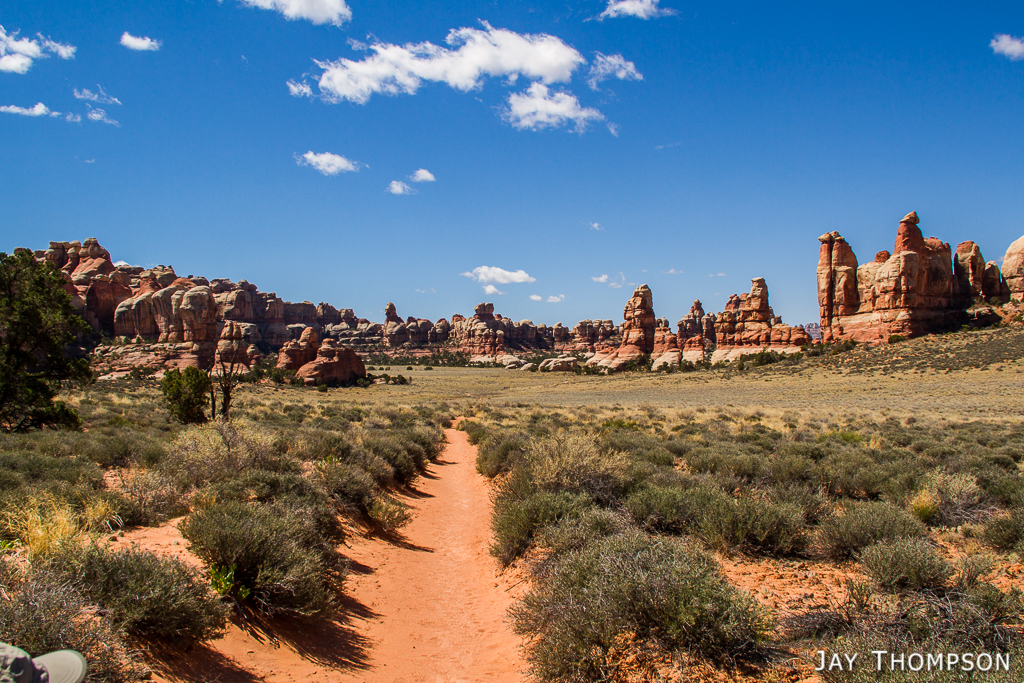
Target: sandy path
<point>435,607</point>
<point>426,606</point>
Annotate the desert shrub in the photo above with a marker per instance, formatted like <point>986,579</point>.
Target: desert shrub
<point>517,520</point>
<point>390,448</point>
<point>149,498</point>
<point>572,461</point>
<point>351,486</point>
<point>475,431</point>
<point>390,514</point>
<point>759,525</point>
<point>220,451</point>
<point>494,453</point>
<point>276,554</point>
<point>1006,531</point>
<point>814,506</point>
<point>864,523</point>
<point>45,613</point>
<point>910,563</point>
<point>636,584</point>
<point>19,468</point>
<point>674,509</point>
<point>896,338</point>
<point>186,394</point>
<point>146,595</point>
<point>958,498</point>
<point>727,460</point>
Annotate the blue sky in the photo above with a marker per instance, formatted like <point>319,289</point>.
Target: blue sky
<point>577,148</point>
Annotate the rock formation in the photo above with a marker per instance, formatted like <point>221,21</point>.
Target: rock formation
<point>912,291</point>
<point>666,350</point>
<point>637,332</point>
<point>334,364</point>
<point>749,325</point>
<point>294,354</point>
<point>1013,269</point>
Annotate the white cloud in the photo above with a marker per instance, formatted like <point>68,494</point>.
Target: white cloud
<point>673,271</point>
<point>602,278</point>
<point>615,285</point>
<point>327,163</point>
<point>536,297</point>
<point>93,161</point>
<point>475,54</point>
<point>143,44</point>
<point>62,50</point>
<point>1010,46</point>
<point>538,108</point>
<point>556,299</point>
<point>302,89</point>
<point>334,12</point>
<point>422,175</point>
<point>595,226</point>
<point>119,263</point>
<point>18,54</point>
<point>39,110</point>
<point>398,187</point>
<point>491,289</point>
<point>643,9</point>
<point>427,291</point>
<point>608,66</point>
<point>499,275</point>
<point>74,118</point>
<point>716,274</point>
<point>102,97</point>
<point>100,116</point>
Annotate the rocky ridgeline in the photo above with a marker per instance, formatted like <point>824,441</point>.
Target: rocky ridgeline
<point>919,288</point>
<point>163,321</point>
<point>746,326</point>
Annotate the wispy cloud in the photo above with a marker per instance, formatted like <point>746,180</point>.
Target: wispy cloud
<point>556,299</point>
<point>600,278</point>
<point>595,226</point>
<point>536,297</point>
<point>334,12</point>
<point>39,110</point>
<point>615,285</point>
<point>611,66</point>
<point>474,55</point>
<point>101,97</point>
<point>296,89</point>
<point>497,275</point>
<point>1009,46</point>
<point>100,116</point>
<point>673,271</point>
<point>667,146</point>
<point>422,175</point>
<point>491,289</point>
<point>327,163</point>
<point>540,108</point>
<point>75,118</point>
<point>398,187</point>
<point>141,44</point>
<point>18,54</point>
<point>427,291</point>
<point>642,9</point>
<point>716,274</point>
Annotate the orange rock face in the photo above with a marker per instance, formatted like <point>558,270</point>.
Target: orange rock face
<point>749,325</point>
<point>637,332</point>
<point>334,364</point>
<point>294,354</point>
<point>1013,269</point>
<point>915,290</point>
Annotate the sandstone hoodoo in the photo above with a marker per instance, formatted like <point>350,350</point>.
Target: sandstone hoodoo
<point>915,290</point>
<point>637,332</point>
<point>749,325</point>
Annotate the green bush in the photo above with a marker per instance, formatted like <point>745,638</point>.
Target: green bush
<point>634,584</point>
<point>475,431</point>
<point>896,338</point>
<point>517,521</point>
<point>493,456</point>
<point>146,595</point>
<point>186,394</point>
<point>910,563</point>
<point>277,554</point>
<point>864,523</point>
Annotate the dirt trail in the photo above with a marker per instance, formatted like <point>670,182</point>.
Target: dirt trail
<point>436,607</point>
<point>426,607</point>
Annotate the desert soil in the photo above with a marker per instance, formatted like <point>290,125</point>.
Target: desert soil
<point>428,605</point>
